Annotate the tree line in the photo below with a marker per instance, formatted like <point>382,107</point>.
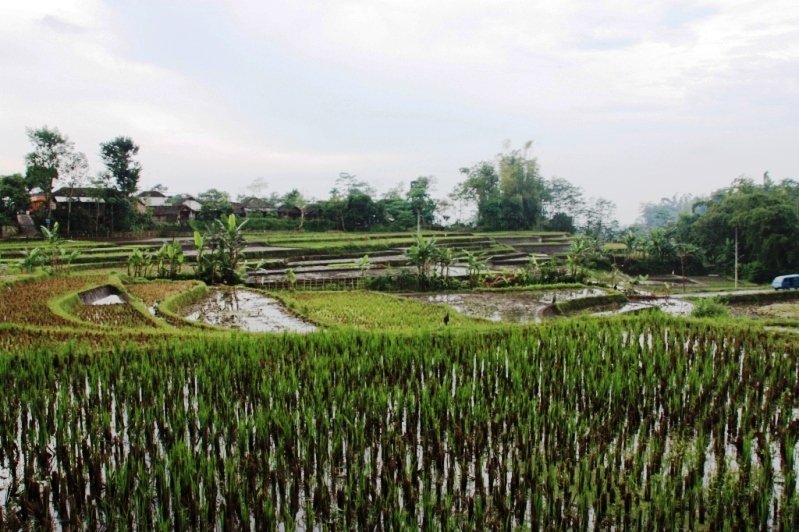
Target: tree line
<point>758,220</point>
<point>54,161</point>
<point>506,193</point>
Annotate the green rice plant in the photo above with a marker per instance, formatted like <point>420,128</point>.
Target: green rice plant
<point>627,423</point>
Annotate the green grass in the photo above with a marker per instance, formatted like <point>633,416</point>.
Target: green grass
<point>375,310</point>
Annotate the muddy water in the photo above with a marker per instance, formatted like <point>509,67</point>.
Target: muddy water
<point>513,307</point>
<point>102,295</point>
<point>113,299</point>
<point>675,307</point>
<point>246,310</point>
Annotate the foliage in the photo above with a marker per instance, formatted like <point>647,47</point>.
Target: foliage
<point>421,202</point>
<point>475,266</point>
<point>117,155</point>
<point>509,195</point>
<point>219,250</point>
<point>54,255</point>
<point>363,264</point>
<point>763,216</point>
<point>53,158</point>
<point>169,260</point>
<point>139,263</point>
<point>709,308</point>
<point>666,211</point>
<point>422,254</point>
<point>291,277</point>
<point>13,197</point>
<point>215,204</point>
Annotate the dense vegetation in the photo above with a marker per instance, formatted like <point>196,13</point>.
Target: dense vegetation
<point>575,424</point>
<point>696,233</point>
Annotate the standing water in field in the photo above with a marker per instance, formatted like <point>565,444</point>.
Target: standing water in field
<point>510,307</point>
<point>246,310</point>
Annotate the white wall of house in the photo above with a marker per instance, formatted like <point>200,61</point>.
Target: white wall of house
<point>153,201</point>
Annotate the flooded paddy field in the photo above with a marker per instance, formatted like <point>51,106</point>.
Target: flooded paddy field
<point>674,307</point>
<point>246,310</point>
<point>510,307</point>
<point>583,425</point>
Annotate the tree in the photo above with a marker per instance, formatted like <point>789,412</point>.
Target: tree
<point>522,189</point>
<point>599,219</point>
<point>666,211</point>
<point>766,219</point>
<point>481,188</point>
<point>117,155</point>
<point>13,197</point>
<point>563,204</point>
<point>423,205</point>
<point>214,203</point>
<point>53,158</point>
<point>509,194</point>
<point>297,200</point>
<point>684,250</point>
<point>659,245</point>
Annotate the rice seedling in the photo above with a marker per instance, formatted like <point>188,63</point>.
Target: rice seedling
<point>635,423</point>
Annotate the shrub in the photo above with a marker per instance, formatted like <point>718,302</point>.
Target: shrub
<point>710,308</point>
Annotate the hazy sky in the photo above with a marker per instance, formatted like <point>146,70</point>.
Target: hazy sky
<point>630,100</point>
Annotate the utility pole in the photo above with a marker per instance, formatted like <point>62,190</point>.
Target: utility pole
<point>736,257</point>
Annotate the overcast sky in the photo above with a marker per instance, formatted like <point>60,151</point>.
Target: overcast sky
<point>630,100</point>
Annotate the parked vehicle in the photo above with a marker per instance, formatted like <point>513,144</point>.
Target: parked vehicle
<point>785,282</point>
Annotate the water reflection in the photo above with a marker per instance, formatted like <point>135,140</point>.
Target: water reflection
<point>246,310</point>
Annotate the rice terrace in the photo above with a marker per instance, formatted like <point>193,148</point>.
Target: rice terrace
<point>337,391</point>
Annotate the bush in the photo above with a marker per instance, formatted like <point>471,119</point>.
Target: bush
<point>710,308</point>
<point>757,272</point>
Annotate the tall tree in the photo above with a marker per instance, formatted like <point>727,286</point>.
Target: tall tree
<point>215,203</point>
<point>117,155</point>
<point>297,200</point>
<point>522,189</point>
<point>509,194</point>
<point>666,211</point>
<point>481,188</point>
<point>599,221</point>
<point>766,220</point>
<point>53,158</point>
<point>13,197</point>
<point>423,205</point>
<point>563,204</point>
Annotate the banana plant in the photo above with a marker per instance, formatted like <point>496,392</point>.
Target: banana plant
<point>169,259</point>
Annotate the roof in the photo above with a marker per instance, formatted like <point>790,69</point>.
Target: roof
<point>152,194</point>
<point>86,192</point>
<point>257,204</point>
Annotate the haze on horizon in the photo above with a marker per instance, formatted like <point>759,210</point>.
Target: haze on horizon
<point>631,101</point>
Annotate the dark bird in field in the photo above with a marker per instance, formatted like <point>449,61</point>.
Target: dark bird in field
<point>446,318</point>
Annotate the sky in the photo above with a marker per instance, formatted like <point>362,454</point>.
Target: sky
<point>632,101</point>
